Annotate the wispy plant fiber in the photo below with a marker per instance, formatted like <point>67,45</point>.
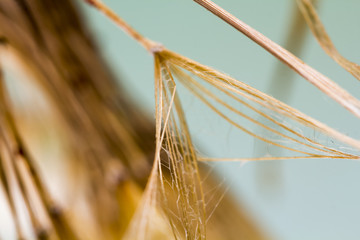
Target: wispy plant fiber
<point>318,30</point>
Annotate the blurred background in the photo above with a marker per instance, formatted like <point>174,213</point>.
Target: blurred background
<point>290,200</point>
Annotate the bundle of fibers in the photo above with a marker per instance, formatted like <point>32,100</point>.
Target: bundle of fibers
<point>174,138</point>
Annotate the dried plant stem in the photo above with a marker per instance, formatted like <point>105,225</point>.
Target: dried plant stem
<point>7,186</point>
<point>18,153</point>
<point>313,20</point>
<point>146,43</point>
<point>208,159</point>
<point>319,80</point>
<point>40,231</point>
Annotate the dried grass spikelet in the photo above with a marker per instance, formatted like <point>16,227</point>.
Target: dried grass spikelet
<point>174,196</point>
<point>186,217</point>
<point>318,29</point>
<point>181,197</point>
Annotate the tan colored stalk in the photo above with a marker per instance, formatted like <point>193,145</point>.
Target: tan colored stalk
<point>208,159</point>
<point>316,78</point>
<point>318,30</point>
<point>7,182</point>
<point>146,43</point>
<point>18,154</point>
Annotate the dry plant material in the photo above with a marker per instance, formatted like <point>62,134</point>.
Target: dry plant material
<point>108,138</point>
<point>318,29</point>
<point>110,141</point>
<point>19,171</point>
<point>252,99</point>
<point>314,77</point>
<point>186,216</point>
<point>114,144</point>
